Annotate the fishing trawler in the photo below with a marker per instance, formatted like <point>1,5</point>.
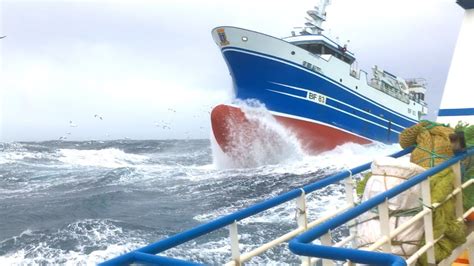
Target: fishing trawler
<point>311,85</point>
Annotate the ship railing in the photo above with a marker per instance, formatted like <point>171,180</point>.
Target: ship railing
<point>330,252</point>
<point>148,254</point>
<point>416,82</point>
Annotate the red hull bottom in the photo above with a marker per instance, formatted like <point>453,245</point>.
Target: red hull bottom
<point>230,122</point>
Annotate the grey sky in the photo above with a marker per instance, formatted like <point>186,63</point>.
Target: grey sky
<point>142,63</point>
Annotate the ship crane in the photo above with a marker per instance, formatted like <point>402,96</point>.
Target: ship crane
<point>455,106</point>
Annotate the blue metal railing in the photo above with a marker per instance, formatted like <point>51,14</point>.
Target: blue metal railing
<point>146,254</point>
<point>302,245</point>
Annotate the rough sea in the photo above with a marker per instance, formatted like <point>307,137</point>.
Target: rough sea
<point>80,203</point>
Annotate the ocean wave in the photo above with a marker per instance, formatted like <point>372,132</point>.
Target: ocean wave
<point>18,156</point>
<point>85,242</point>
<point>273,180</point>
<point>345,156</point>
<point>108,158</point>
<point>164,180</point>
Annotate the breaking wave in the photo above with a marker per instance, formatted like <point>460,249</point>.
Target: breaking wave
<point>85,242</point>
<point>110,158</point>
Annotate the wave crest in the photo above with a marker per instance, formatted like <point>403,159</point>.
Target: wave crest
<point>109,158</point>
<point>84,242</point>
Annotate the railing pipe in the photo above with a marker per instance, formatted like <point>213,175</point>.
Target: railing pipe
<point>457,183</point>
<point>221,222</point>
<point>160,260</point>
<point>302,245</point>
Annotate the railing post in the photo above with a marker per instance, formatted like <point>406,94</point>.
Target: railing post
<point>234,243</point>
<point>349,186</point>
<point>385,225</point>
<point>457,184</point>
<point>428,220</point>
<point>302,220</point>
<point>302,212</point>
<point>326,240</point>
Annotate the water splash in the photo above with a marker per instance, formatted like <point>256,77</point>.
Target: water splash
<point>264,141</point>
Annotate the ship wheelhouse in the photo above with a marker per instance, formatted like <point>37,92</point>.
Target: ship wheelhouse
<point>320,45</point>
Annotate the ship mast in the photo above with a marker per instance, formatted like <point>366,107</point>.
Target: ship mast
<point>316,18</point>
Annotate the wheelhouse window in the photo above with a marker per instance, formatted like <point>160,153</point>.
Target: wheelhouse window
<point>314,48</point>
<point>322,49</point>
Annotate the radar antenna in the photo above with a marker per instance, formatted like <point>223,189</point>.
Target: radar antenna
<point>316,17</point>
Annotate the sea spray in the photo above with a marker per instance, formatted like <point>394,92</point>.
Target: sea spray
<point>262,141</point>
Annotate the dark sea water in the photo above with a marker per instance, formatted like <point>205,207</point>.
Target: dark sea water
<point>80,203</point>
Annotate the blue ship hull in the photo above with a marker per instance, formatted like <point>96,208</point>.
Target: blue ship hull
<point>294,91</point>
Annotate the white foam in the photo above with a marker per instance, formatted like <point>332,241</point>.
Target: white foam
<point>345,156</point>
<point>310,167</point>
<point>14,152</point>
<point>217,252</point>
<point>108,158</point>
<point>85,233</point>
<point>44,255</point>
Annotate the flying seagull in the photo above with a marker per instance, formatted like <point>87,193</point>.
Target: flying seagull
<point>98,116</point>
<point>3,37</point>
<point>71,124</point>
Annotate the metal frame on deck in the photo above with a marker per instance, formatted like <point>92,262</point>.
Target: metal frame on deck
<point>302,245</point>
<point>147,254</point>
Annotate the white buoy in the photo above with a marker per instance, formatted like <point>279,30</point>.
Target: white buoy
<point>457,103</point>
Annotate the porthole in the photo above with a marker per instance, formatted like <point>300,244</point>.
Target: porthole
<point>293,52</point>
<point>244,38</point>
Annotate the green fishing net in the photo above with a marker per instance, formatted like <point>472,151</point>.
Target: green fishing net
<point>468,164</point>
<point>433,147</point>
